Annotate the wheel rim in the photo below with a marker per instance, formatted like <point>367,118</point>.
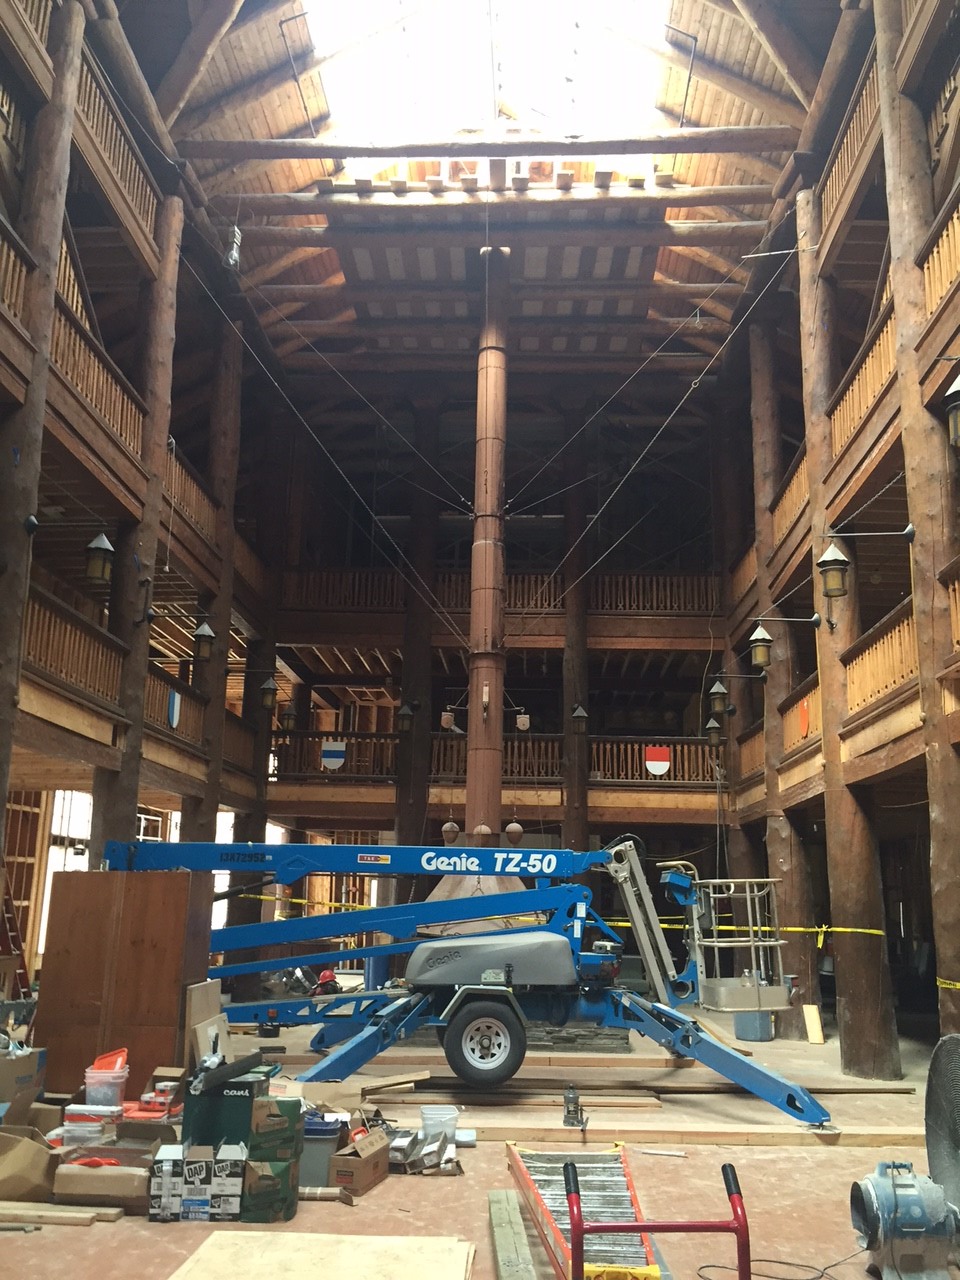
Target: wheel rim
<point>485,1043</point>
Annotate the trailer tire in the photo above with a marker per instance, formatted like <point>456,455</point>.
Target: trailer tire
<point>485,1043</point>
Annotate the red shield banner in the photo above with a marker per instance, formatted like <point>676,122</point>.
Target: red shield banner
<point>656,760</point>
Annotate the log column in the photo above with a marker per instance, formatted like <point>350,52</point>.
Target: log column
<point>868,1033</point>
<point>199,813</point>
<point>487,660</point>
<point>415,745</point>
<point>47,171</point>
<point>786,857</point>
<point>115,794</point>
<point>576,743</point>
<point>932,492</point>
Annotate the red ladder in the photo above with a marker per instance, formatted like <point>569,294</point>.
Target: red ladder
<point>11,944</point>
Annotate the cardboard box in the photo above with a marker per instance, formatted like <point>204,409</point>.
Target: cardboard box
<point>166,1183</point>
<point>276,1129</point>
<point>226,1182</point>
<point>197,1173</point>
<point>44,1116</point>
<point>23,1073</point>
<point>223,1114</point>
<point>270,1190</point>
<point>127,1188</point>
<point>362,1164</point>
<point>28,1164</point>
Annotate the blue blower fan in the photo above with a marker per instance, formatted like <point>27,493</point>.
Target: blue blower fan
<point>909,1222</point>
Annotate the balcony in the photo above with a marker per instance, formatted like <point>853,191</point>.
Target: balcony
<point>17,349</point>
<point>238,743</point>
<point>883,660</point>
<point>868,377</point>
<point>65,647</point>
<point>115,164</point>
<point>187,496</point>
<point>24,27</point>
<point>526,758</point>
<point>851,165</point>
<point>801,716</point>
<point>792,499</point>
<point>940,263</point>
<point>173,707</point>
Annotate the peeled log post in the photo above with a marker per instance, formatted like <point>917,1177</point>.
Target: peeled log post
<point>47,170</point>
<point>487,659</point>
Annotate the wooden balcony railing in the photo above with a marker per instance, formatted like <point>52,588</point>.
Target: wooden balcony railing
<point>939,116</point>
<point>751,752</point>
<point>621,760</point>
<point>793,497</point>
<point>248,565</point>
<point>883,659</point>
<point>173,706</point>
<point>97,109</point>
<point>368,755</point>
<point>61,643</point>
<point>801,715</point>
<point>15,265</point>
<point>88,369</point>
<point>907,9</point>
<point>951,579</point>
<point>541,593</point>
<point>865,380</point>
<point>68,286</point>
<point>188,496</point>
<point>38,15</point>
<point>526,758</point>
<point>13,123</point>
<point>941,260</point>
<point>343,589</point>
<point>743,574</point>
<point>238,742</point>
<point>654,593</point>
<point>851,144</point>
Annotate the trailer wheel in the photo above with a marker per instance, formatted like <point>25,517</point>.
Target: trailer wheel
<point>485,1042</point>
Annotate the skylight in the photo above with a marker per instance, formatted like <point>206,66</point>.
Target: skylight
<point>419,70</point>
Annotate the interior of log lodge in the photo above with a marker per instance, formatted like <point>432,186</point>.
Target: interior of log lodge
<point>480,639</point>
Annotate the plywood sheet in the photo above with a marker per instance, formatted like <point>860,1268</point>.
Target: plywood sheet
<point>305,1255</point>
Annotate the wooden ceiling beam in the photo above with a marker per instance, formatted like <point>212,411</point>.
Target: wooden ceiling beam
<point>539,234</point>
<point>297,204</point>
<point>248,94</point>
<point>350,327</point>
<point>214,21</point>
<point>686,141</point>
<point>655,365</point>
<point>532,290</point>
<point>783,46</point>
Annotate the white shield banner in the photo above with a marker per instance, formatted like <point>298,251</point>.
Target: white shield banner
<point>333,752</point>
<point>173,709</point>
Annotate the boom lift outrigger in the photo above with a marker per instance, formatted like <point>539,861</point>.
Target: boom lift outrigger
<point>479,989</point>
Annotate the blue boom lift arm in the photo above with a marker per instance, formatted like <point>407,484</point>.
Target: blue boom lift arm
<point>353,1029</point>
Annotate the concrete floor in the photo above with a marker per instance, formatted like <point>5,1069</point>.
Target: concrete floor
<point>796,1196</point>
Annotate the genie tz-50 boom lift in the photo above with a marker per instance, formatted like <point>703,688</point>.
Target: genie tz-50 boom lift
<point>560,964</point>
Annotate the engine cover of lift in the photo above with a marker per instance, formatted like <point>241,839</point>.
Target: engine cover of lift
<point>536,959</point>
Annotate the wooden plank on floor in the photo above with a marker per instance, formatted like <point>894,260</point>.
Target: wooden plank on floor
<point>102,1213</point>
<point>48,1216</point>
<point>512,1099</point>
<point>304,1255</point>
<point>538,1124</point>
<point>511,1249</point>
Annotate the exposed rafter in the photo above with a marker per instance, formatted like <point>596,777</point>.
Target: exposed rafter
<point>789,54</point>
<point>214,21</point>
<point>249,94</point>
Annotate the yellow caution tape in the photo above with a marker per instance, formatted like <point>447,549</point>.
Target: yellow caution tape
<point>950,986</point>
